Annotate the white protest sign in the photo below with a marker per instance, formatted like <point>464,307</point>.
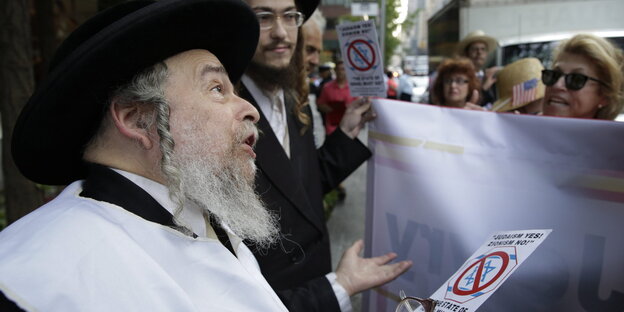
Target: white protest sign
<point>487,269</point>
<point>363,61</point>
<point>442,179</point>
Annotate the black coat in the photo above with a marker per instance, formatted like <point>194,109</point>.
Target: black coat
<point>294,188</point>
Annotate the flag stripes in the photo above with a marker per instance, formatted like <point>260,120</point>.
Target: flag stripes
<point>524,92</point>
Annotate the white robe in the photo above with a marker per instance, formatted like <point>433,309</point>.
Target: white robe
<point>79,254</point>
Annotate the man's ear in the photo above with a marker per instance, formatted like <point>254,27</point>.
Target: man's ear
<point>130,122</point>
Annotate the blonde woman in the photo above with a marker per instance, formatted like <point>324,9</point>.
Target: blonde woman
<point>586,80</point>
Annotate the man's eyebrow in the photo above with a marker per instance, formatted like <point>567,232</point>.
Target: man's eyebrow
<point>208,69</point>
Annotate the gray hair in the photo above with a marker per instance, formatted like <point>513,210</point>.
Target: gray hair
<point>318,18</point>
<point>146,89</point>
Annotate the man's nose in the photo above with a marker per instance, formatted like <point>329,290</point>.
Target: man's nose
<point>278,30</point>
<point>249,112</point>
<point>315,58</point>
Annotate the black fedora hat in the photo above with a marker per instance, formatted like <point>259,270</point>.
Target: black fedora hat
<point>307,7</point>
<point>106,52</point>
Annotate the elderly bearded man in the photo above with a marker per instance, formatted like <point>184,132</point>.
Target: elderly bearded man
<point>313,45</point>
<point>140,112</point>
<point>294,175</point>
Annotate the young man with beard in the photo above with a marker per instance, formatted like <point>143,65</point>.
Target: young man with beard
<point>139,114</point>
<point>294,175</point>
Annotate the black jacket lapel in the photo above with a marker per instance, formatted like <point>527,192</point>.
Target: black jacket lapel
<point>104,184</point>
<point>276,166</point>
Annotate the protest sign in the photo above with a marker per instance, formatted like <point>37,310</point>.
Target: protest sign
<point>487,269</point>
<point>442,179</point>
<point>362,59</point>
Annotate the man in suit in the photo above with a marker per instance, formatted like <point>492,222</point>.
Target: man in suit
<point>139,115</point>
<point>293,175</point>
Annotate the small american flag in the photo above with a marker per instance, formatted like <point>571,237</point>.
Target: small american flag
<point>524,92</point>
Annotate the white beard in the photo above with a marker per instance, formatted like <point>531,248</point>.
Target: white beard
<point>220,181</point>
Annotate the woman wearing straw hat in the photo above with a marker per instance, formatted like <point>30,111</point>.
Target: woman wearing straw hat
<point>456,83</point>
<point>586,80</point>
<point>520,88</point>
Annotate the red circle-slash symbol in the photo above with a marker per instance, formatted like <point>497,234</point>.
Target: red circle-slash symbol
<point>352,50</point>
<point>477,287</point>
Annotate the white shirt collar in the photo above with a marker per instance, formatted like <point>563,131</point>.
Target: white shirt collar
<point>261,96</point>
<point>191,217</point>
<point>277,121</point>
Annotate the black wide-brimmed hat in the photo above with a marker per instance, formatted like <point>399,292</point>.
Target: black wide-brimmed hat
<point>106,52</point>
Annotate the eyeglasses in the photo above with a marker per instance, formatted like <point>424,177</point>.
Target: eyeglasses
<point>290,19</point>
<point>573,81</point>
<point>413,304</point>
<point>458,81</point>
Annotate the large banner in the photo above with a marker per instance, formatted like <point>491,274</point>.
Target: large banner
<point>442,179</point>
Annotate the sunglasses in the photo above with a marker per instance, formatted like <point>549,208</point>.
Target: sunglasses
<point>573,81</point>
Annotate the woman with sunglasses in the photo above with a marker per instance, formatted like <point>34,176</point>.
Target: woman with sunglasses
<point>586,80</point>
<point>456,82</point>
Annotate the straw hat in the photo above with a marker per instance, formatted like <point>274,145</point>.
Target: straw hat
<point>524,74</point>
<point>476,36</point>
<point>107,51</point>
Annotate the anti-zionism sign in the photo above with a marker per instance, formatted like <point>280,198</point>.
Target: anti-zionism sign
<point>362,58</point>
<point>441,180</point>
<point>487,269</point>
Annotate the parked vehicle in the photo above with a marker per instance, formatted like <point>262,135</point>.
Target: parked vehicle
<point>419,92</point>
<point>523,28</point>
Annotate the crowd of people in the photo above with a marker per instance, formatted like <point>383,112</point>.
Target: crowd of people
<point>585,81</point>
